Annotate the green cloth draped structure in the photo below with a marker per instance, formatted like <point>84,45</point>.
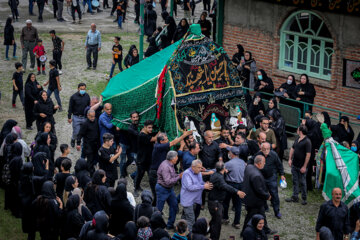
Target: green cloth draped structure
<point>342,169</point>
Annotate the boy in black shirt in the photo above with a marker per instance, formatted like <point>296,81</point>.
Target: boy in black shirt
<point>116,56</point>
<point>65,151</point>
<point>54,83</point>
<point>59,179</point>
<point>120,11</point>
<point>108,159</point>
<point>18,85</point>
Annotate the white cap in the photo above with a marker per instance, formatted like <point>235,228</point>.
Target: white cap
<point>28,21</point>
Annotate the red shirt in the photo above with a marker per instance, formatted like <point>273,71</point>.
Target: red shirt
<point>39,50</point>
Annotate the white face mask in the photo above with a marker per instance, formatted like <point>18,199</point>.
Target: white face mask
<point>289,81</point>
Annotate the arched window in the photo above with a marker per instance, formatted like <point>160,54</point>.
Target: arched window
<point>306,45</point>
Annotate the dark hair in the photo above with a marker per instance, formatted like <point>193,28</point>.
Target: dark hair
<point>274,102</point>
<point>117,38</point>
<point>63,147</point>
<point>219,166</point>
<point>81,85</point>
<point>52,31</point>
<point>52,62</point>
<point>225,127</point>
<point>143,222</point>
<point>107,137</point>
<point>8,22</point>
<point>133,112</point>
<point>181,226</point>
<point>39,40</point>
<point>241,134</point>
<point>18,64</point>
<point>193,146</point>
<point>303,129</point>
<point>148,122</point>
<point>123,181</point>
<point>66,164</point>
<point>293,77</point>
<point>264,118</point>
<point>307,77</point>
<point>160,137</point>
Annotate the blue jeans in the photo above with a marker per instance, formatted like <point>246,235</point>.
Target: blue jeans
<point>57,95</point>
<point>88,2</point>
<point>120,18</point>
<point>124,163</point>
<point>272,186</point>
<point>237,203</point>
<point>113,67</point>
<point>31,6</point>
<point>7,50</point>
<point>76,124</point>
<point>168,195</point>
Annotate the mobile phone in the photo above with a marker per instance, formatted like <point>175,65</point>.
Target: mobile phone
<point>242,58</point>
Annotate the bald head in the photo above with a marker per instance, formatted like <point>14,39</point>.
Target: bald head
<point>336,195</point>
<point>208,135</point>
<point>265,148</point>
<point>108,108</point>
<point>93,27</point>
<point>262,137</point>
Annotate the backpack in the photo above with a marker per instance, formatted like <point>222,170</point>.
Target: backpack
<point>6,174</point>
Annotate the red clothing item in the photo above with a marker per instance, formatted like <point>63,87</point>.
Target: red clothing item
<point>39,50</point>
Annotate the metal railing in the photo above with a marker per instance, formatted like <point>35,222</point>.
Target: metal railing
<point>304,108</point>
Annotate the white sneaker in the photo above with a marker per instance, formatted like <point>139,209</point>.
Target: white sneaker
<point>60,72</point>
<point>31,69</point>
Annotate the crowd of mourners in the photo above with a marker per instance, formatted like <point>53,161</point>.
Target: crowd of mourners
<point>241,165</point>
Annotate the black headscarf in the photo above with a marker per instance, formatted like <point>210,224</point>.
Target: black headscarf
<point>200,226</point>
<point>98,176</point>
<point>16,149</point>
<point>42,139</point>
<point>39,162</point>
<point>72,203</point>
<point>6,129</point>
<point>146,197</point>
<point>101,222</point>
<point>69,181</point>
<point>120,193</point>
<point>157,221</point>
<point>82,173</point>
<point>130,232</point>
<point>48,190</point>
<point>327,119</point>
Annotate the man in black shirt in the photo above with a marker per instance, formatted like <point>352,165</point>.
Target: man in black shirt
<point>161,148</point>
<point>54,83</point>
<point>145,144</point>
<point>108,159</point>
<point>226,139</point>
<point>57,50</point>
<point>89,132</point>
<point>299,158</point>
<point>77,104</point>
<point>216,198</point>
<point>210,152</point>
<point>273,166</point>
<point>333,218</point>
<point>131,150</point>
<point>18,84</point>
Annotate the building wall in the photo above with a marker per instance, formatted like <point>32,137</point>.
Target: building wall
<point>256,26</point>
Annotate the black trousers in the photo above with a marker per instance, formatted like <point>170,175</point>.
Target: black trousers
<point>163,7</point>
<point>137,12</point>
<point>29,112</point>
<point>106,4</point>
<point>77,8</point>
<point>152,183</point>
<point>141,169</point>
<point>57,57</point>
<point>91,160</point>
<point>92,49</point>
<point>54,2</point>
<point>251,211</point>
<point>309,184</point>
<point>216,210</point>
<point>206,4</point>
<point>41,9</point>
<point>114,5</point>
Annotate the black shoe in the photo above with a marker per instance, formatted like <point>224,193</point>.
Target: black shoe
<point>292,199</point>
<point>32,14</point>
<point>29,128</point>
<point>72,143</point>
<point>94,68</point>
<point>88,68</point>
<point>115,20</point>
<point>304,202</point>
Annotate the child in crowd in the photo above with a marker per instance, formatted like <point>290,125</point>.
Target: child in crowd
<point>54,83</point>
<point>39,51</point>
<point>65,151</point>
<point>116,56</point>
<point>120,12</point>
<point>18,84</point>
<point>181,231</point>
<point>144,232</point>
<point>59,179</point>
